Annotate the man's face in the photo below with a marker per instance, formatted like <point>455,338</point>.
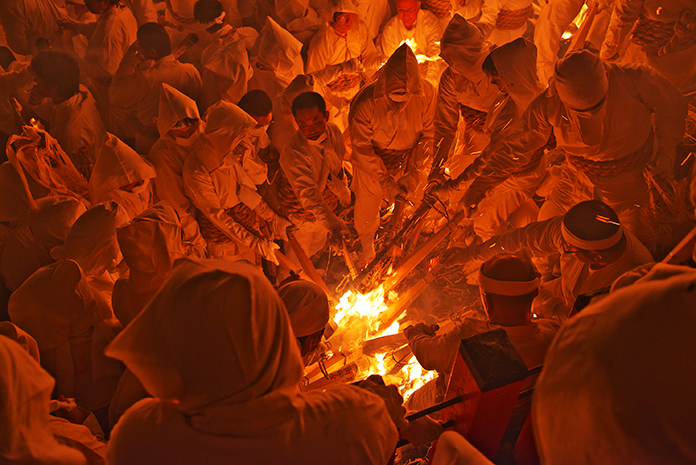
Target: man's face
<point>408,12</point>
<point>96,7</point>
<point>342,22</point>
<point>311,122</point>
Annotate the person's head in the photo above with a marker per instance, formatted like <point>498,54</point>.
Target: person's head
<point>227,126</point>
<point>508,284</point>
<point>593,234</point>
<point>408,12</point>
<point>57,75</point>
<point>309,110</point>
<point>208,11</point>
<point>98,7</point>
<point>154,41</point>
<point>6,58</point>
<point>228,339</point>
<point>308,308</point>
<point>581,81</point>
<point>462,48</point>
<point>177,116</point>
<point>258,105</point>
<point>342,22</point>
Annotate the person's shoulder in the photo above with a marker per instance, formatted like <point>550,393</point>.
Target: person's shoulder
<point>429,18</point>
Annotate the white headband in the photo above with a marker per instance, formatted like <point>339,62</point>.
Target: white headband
<point>508,288</point>
<point>600,244</point>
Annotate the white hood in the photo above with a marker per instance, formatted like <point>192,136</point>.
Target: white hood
<point>173,107</point>
<point>117,165</point>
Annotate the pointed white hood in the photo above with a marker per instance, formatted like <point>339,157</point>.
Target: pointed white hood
<point>173,107</point>
<point>117,165</point>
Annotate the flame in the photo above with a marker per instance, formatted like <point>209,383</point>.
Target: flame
<point>577,22</point>
<point>414,47</point>
<point>358,319</point>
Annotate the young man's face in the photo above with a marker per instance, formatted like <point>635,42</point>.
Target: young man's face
<point>311,122</point>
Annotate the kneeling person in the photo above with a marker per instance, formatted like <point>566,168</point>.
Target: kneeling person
<point>312,181</point>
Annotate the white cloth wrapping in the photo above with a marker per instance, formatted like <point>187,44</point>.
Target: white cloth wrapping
<point>618,384</point>
<point>91,241</point>
<point>245,396</point>
<point>25,391</point>
<point>119,165</point>
<point>490,9</point>
<point>283,126</point>
<point>516,66</point>
<point>453,449</point>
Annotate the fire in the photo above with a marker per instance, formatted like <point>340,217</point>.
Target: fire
<point>414,47</point>
<point>575,25</point>
<point>358,319</point>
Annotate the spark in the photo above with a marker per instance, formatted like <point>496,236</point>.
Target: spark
<point>687,158</point>
<point>607,220</point>
<point>492,245</point>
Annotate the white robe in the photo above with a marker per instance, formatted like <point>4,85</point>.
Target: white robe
<point>211,412</point>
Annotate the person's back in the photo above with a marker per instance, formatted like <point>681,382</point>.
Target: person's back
<point>232,409</point>
<point>138,83</point>
<point>69,108</point>
<point>25,21</point>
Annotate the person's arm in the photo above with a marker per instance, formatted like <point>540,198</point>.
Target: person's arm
<point>554,19</point>
<point>446,117</point>
<point>299,167</point>
<point>372,59</point>
<point>526,136</point>
<point>319,51</point>
<point>541,238</point>
<point>625,14</point>
<point>200,189</point>
<point>669,108</point>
